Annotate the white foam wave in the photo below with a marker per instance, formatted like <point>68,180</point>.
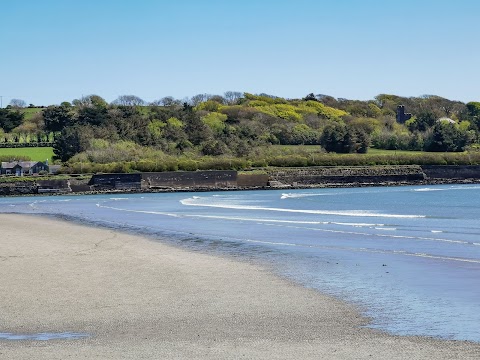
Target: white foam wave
<point>300,195</point>
<point>428,189</point>
<point>118,198</point>
<point>138,211</point>
<point>355,224</point>
<point>353,213</point>
<point>436,231</point>
<point>472,187</point>
<point>261,221</point>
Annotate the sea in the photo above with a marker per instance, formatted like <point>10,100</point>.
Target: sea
<point>407,257</point>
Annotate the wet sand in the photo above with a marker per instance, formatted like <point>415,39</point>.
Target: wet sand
<point>141,299</point>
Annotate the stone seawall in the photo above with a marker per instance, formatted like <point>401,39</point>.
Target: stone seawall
<point>452,171</point>
<point>190,179</point>
<point>229,180</point>
<point>345,175</point>
<point>35,187</point>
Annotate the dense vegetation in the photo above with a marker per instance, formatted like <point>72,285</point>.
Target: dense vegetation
<point>239,130</point>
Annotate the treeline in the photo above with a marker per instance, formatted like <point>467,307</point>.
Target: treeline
<point>204,129</point>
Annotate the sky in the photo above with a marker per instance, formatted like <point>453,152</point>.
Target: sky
<point>58,50</point>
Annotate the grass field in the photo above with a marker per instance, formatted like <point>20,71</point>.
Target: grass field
<point>34,153</point>
<point>372,151</point>
<point>29,112</point>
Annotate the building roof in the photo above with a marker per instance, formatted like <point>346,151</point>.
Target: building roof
<point>23,164</point>
<point>9,165</point>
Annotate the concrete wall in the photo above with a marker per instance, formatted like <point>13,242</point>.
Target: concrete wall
<point>116,181</point>
<point>53,186</point>
<point>190,179</point>
<point>252,180</point>
<point>338,175</point>
<point>452,171</point>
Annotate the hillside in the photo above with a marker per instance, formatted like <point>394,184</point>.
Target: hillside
<point>240,130</point>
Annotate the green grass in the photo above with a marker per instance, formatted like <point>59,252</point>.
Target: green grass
<point>34,153</point>
<point>372,151</point>
<point>29,112</point>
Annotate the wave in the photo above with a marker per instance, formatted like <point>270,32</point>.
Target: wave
<point>369,250</point>
<point>473,187</point>
<point>138,211</point>
<point>428,189</point>
<point>300,195</point>
<point>353,213</point>
<point>236,218</point>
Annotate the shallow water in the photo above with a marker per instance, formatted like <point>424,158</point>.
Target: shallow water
<point>43,336</point>
<point>409,256</point>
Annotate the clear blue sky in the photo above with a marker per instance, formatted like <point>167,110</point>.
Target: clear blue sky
<point>56,50</point>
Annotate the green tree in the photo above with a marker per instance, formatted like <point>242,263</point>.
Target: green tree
<point>57,117</point>
<point>9,119</point>
<point>197,132</point>
<point>72,140</point>
<point>447,137</point>
<point>424,121</point>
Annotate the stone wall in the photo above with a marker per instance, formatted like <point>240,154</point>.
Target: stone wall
<point>53,186</point>
<point>190,179</point>
<point>343,175</point>
<point>452,171</point>
<point>101,182</point>
<point>252,180</point>
<point>18,188</point>
<point>277,177</point>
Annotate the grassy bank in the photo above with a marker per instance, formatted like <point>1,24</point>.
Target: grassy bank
<point>32,153</point>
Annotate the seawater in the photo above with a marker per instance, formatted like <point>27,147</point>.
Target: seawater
<point>409,257</point>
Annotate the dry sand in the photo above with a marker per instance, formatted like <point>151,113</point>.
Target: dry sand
<point>140,299</point>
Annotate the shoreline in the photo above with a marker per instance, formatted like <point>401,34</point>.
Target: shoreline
<point>231,180</point>
<point>142,298</point>
<point>331,185</point>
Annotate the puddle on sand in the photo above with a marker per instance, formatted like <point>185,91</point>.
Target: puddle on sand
<point>43,336</point>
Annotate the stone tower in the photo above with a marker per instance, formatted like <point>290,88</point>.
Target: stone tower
<point>401,115</point>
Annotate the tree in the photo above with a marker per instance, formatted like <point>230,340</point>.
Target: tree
<point>232,97</point>
<point>424,121</point>
<point>92,115</point>
<point>196,130</point>
<point>72,140</point>
<point>447,137</point>
<point>9,119</point>
<point>129,100</point>
<point>215,121</point>
<point>57,117</point>
<point>167,101</point>
<point>199,98</point>
<point>473,114</point>
<point>342,138</point>
<point>310,97</point>
<point>18,104</point>
<point>333,138</point>
<point>90,101</point>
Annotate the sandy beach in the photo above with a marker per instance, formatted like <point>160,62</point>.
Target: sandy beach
<point>140,299</point>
